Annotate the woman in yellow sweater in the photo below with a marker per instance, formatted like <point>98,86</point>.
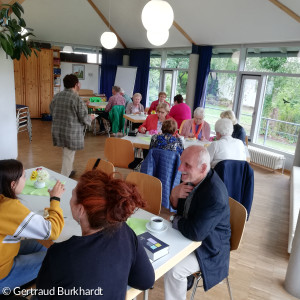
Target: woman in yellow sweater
<point>20,259</point>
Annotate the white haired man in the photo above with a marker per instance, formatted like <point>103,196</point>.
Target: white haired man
<point>225,147</point>
<point>203,214</point>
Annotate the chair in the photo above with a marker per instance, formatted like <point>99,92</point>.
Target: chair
<point>246,140</point>
<point>238,217</point>
<point>163,164</point>
<point>99,164</point>
<point>116,118</point>
<point>150,189</point>
<point>238,177</point>
<point>23,120</point>
<point>121,153</point>
<point>181,125</point>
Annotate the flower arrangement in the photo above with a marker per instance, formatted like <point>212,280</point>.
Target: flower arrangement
<point>40,176</point>
<point>212,138</point>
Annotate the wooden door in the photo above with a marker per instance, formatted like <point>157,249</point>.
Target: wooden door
<point>19,80</point>
<point>46,79</point>
<point>32,86</point>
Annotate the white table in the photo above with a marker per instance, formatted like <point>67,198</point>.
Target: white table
<point>135,118</point>
<point>180,247</point>
<point>139,142</point>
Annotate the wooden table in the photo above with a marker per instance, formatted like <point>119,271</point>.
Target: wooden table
<point>180,247</point>
<point>135,118</point>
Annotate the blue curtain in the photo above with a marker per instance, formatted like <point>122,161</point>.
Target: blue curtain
<point>140,58</point>
<point>110,60</point>
<point>205,53</point>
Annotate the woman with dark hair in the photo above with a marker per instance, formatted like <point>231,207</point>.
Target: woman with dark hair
<point>21,259</point>
<point>180,111</point>
<point>108,256</point>
<point>168,140</point>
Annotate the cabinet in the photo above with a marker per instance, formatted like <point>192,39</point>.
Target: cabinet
<point>34,82</point>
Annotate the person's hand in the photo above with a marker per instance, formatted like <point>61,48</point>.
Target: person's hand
<point>93,116</point>
<point>177,135</point>
<point>57,190</point>
<point>190,135</point>
<point>180,191</point>
<point>143,129</point>
<point>87,102</point>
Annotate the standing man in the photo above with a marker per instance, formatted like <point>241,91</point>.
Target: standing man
<point>203,215</point>
<point>69,117</point>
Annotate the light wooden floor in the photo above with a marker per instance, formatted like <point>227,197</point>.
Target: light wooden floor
<point>257,269</point>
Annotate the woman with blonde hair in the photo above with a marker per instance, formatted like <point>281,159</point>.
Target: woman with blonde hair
<point>196,127</point>
<point>108,256</point>
<point>154,121</point>
<point>238,131</point>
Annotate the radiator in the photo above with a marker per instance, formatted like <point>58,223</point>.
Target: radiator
<point>266,158</point>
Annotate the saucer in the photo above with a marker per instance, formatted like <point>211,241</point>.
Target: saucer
<point>164,228</point>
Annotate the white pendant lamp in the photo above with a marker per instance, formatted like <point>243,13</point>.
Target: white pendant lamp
<point>108,40</point>
<point>157,37</point>
<point>157,14</point>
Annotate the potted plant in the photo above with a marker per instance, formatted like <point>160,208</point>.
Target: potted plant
<point>12,36</point>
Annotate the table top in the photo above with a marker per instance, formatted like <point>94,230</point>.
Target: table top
<point>97,104</point>
<point>143,142</point>
<point>135,118</point>
<point>180,246</point>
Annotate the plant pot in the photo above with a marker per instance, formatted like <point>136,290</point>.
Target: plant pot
<point>39,185</point>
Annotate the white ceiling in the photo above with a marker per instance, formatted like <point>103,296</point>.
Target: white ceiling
<point>213,22</point>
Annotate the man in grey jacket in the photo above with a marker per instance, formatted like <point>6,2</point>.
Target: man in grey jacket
<point>69,118</point>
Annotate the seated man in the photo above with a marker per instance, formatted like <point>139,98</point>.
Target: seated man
<point>202,215</point>
<point>225,147</point>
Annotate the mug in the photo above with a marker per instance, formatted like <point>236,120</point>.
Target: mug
<point>157,223</point>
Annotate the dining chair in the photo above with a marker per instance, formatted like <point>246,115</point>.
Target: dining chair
<point>150,189</point>
<point>99,164</point>
<point>121,153</point>
<point>238,217</point>
<point>23,120</point>
<point>246,140</point>
<point>181,125</point>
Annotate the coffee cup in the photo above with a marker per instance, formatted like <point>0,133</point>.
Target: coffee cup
<point>157,223</point>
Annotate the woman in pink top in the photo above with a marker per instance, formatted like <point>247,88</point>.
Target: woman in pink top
<point>180,111</point>
<point>196,127</point>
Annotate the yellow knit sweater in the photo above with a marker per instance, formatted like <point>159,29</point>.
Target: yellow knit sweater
<point>17,221</point>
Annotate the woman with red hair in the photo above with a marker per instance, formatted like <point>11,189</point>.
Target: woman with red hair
<point>108,256</point>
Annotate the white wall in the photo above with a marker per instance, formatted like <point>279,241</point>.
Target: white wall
<point>8,128</point>
<point>91,80</point>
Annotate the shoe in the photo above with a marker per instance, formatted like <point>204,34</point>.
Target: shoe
<point>72,174</point>
<point>190,282</point>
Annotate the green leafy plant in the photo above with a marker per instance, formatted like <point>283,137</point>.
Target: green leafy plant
<point>12,40</point>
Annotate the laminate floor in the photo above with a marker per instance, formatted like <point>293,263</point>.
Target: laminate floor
<point>257,269</point>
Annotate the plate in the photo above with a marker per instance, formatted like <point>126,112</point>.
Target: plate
<point>164,228</point>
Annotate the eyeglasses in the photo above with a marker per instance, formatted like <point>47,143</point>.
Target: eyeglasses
<point>161,112</point>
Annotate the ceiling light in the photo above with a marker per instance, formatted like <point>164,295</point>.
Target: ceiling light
<point>108,40</point>
<point>68,49</point>
<point>235,56</point>
<point>157,38</point>
<point>157,15</point>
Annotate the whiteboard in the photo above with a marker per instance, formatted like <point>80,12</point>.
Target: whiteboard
<point>125,78</point>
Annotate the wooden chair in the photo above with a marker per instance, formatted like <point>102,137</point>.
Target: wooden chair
<point>150,188</point>
<point>246,140</point>
<point>120,153</point>
<point>99,164</point>
<point>238,217</point>
<point>181,125</point>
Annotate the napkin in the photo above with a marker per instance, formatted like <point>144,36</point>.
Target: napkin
<point>30,189</point>
<point>137,225</point>
<point>146,138</point>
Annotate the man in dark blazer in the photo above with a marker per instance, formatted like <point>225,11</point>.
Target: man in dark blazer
<point>203,214</point>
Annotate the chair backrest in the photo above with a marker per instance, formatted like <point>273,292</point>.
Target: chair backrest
<point>103,165</point>
<point>119,152</point>
<point>238,217</point>
<point>181,125</point>
<point>246,140</point>
<point>150,188</point>
<point>116,118</point>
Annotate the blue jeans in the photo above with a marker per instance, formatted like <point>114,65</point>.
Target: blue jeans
<point>26,265</point>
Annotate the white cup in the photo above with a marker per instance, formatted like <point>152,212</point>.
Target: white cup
<point>157,223</point>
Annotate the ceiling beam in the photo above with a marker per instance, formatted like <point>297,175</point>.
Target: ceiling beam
<point>180,29</point>
<point>286,10</point>
<point>100,14</point>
